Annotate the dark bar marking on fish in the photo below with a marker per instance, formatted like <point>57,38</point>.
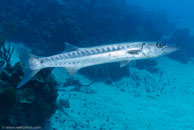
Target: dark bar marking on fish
<point>78,53</point>
<point>97,50</point>
<point>57,57</point>
<point>108,48</point>
<point>69,54</point>
<point>92,51</point>
<point>103,49</point>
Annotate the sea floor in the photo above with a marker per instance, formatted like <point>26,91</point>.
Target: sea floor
<point>144,101</point>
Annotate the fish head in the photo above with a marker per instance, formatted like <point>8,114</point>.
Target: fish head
<point>155,49</point>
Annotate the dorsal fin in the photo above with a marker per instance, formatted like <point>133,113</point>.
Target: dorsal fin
<point>69,47</point>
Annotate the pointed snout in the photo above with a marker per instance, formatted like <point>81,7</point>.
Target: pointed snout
<point>170,48</point>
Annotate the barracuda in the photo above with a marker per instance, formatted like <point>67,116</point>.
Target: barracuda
<point>79,58</point>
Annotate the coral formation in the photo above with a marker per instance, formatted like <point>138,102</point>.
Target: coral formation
<point>31,101</point>
<point>26,95</point>
<point>5,56</point>
<point>22,106</point>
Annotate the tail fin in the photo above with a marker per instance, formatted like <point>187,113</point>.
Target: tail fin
<point>30,68</point>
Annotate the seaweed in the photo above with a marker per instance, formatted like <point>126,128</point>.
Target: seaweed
<point>5,56</point>
<point>6,51</point>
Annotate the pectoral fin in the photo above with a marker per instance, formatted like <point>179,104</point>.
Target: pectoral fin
<point>124,63</point>
<point>134,52</point>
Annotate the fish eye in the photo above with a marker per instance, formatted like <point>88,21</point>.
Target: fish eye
<point>159,45</point>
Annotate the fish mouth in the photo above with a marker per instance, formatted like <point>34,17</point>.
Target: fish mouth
<point>170,49</point>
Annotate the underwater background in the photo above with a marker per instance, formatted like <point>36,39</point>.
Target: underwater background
<point>153,94</point>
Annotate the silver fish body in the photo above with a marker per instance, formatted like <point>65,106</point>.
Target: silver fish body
<point>79,58</point>
<point>84,57</point>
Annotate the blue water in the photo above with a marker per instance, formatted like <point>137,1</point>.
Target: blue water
<point>152,94</point>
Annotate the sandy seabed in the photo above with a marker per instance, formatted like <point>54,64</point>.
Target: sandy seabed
<point>143,101</point>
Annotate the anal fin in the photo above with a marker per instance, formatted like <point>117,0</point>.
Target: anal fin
<point>71,70</point>
<point>124,63</point>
